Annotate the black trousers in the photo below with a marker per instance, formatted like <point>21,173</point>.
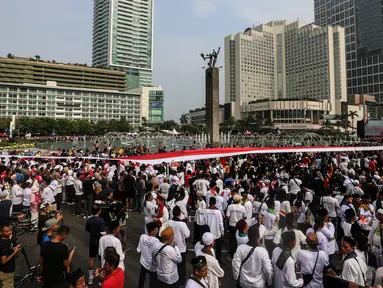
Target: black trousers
<point>70,193</point>
<point>152,275</point>
<point>17,208</point>
<point>88,205</point>
<point>218,249</point>
<point>58,199</point>
<point>77,205</point>
<point>197,232</point>
<point>182,269</point>
<point>165,285</point>
<point>193,199</point>
<point>233,240</point>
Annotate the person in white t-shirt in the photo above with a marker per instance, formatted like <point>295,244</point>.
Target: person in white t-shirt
<point>299,236</point>
<point>294,187</point>
<point>235,212</point>
<point>332,206</point>
<point>215,271</point>
<point>310,258</point>
<point>145,247</point>
<point>181,233</point>
<point>214,219</point>
<point>166,256</point>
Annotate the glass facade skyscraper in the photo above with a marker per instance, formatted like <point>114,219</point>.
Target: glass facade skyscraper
<point>363,23</point>
<point>123,38</point>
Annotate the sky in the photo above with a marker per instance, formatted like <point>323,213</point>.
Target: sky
<point>61,30</point>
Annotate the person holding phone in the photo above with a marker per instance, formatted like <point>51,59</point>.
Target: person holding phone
<point>8,251</point>
<point>55,259</point>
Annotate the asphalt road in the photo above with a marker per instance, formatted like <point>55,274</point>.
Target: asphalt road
<point>79,238</point>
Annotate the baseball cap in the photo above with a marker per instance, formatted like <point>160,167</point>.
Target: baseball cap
<point>49,224</point>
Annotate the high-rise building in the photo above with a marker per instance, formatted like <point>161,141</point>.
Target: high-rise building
<point>362,20</point>
<point>152,103</point>
<point>123,38</point>
<point>284,59</point>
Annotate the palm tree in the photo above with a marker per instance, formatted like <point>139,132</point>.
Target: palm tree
<point>184,119</point>
<point>144,121</point>
<point>352,114</point>
<point>37,57</point>
<point>267,122</point>
<point>326,125</point>
<point>339,124</point>
<point>9,55</point>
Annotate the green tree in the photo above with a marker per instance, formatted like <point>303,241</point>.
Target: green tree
<point>327,125</point>
<point>184,119</point>
<point>144,121</point>
<point>229,125</point>
<point>64,127</point>
<point>353,114</point>
<point>169,125</point>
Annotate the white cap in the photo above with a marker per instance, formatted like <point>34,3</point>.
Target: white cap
<point>380,211</point>
<point>207,238</point>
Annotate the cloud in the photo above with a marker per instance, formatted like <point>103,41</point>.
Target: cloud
<point>204,8</point>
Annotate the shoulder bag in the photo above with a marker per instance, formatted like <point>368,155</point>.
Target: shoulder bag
<point>243,262</point>
<point>308,277</point>
<point>159,251</point>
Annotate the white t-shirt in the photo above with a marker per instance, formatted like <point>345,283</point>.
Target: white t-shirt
<point>299,237</point>
<point>192,284</point>
<point>331,204</point>
<point>306,262</point>
<point>295,186</point>
<point>235,212</point>
<point>166,263</point>
<point>181,232</point>
<point>145,247</point>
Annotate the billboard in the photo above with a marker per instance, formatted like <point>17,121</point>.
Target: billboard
<point>156,105</point>
<point>373,128</point>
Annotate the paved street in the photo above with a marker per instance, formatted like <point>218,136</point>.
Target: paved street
<point>79,238</point>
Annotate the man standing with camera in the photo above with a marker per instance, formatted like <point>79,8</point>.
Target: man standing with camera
<point>8,251</point>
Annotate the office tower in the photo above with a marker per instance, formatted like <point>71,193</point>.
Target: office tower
<point>362,20</point>
<point>284,59</point>
<point>123,38</point>
<point>152,103</point>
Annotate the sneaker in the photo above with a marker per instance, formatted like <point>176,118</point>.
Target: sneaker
<point>63,202</point>
<point>85,217</point>
<point>90,281</point>
<point>123,224</point>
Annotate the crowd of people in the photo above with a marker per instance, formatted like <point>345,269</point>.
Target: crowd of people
<point>287,220</point>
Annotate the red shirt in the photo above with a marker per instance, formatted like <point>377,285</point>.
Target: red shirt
<point>114,280</point>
